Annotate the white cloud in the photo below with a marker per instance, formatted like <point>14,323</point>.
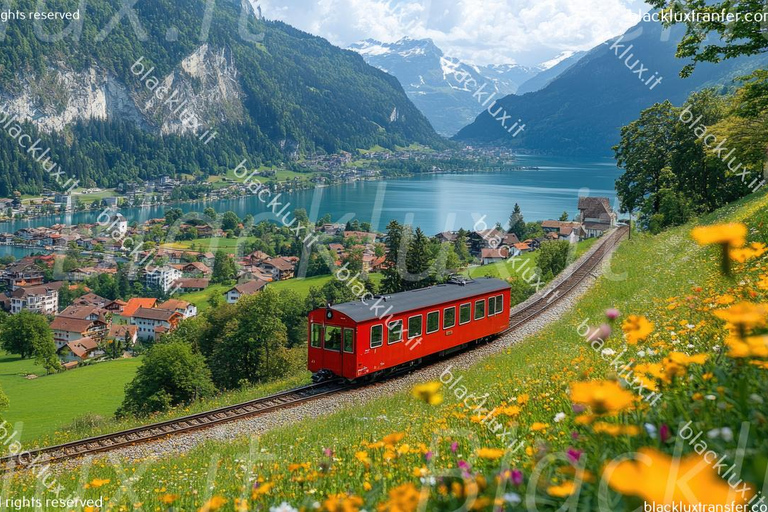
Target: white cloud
<point>479,31</point>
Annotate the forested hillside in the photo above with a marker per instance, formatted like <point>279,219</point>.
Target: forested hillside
<point>271,93</point>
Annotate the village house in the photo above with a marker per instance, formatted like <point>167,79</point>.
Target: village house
<point>249,288</point>
<point>80,350</point>
<point>280,268</point>
<point>127,335</point>
<point>23,273</point>
<point>571,231</point>
<point>196,269</point>
<point>447,237</point>
<point>191,284</point>
<point>485,239</point>
<point>130,307</point>
<point>152,322</point>
<point>186,309</point>
<point>42,299</point>
<point>162,278</point>
<point>596,215</point>
<point>66,329</point>
<point>491,256</point>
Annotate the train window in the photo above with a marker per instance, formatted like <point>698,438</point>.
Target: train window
<point>332,338</point>
<point>377,336</point>
<point>465,313</point>
<point>349,340</point>
<point>499,304</point>
<point>414,327</point>
<point>316,338</point>
<point>395,332</point>
<point>449,317</point>
<point>433,322</point>
<point>479,309</point>
<point>491,306</point>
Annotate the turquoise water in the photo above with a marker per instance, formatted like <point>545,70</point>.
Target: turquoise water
<point>435,202</point>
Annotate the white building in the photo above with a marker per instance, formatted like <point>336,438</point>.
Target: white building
<point>42,299</point>
<point>162,278</point>
<point>233,294</point>
<point>153,322</point>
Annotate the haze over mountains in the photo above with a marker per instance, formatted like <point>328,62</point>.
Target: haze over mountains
<point>429,77</point>
<point>582,110</point>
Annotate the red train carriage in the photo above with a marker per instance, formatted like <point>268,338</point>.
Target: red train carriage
<point>375,335</point>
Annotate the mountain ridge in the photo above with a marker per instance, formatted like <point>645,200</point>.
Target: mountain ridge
<point>272,96</point>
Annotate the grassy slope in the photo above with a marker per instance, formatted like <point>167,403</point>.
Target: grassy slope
<point>541,367</point>
<point>49,402</point>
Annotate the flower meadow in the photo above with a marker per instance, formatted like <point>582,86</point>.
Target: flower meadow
<point>651,390</point>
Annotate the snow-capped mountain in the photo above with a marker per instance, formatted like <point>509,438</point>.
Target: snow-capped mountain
<point>439,85</point>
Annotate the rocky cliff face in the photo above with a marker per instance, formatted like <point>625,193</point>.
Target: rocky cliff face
<point>204,82</point>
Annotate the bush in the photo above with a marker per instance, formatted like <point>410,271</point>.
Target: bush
<point>171,374</point>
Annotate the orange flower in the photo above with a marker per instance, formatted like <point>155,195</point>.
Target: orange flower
<point>428,393</point>
<point>212,504</point>
<point>490,453</point>
<point>753,346</point>
<point>732,235</point>
<point>657,477</point>
<point>392,439</point>
<point>98,482</point>
<point>742,255</point>
<point>744,315</point>
<point>537,426</point>
<point>604,397</point>
<point>614,430</point>
<point>563,490</point>
<point>636,328</point>
<point>167,499</point>
<point>342,503</point>
<point>404,498</point>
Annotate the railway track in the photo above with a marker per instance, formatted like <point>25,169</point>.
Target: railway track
<point>567,285</point>
<point>108,442</point>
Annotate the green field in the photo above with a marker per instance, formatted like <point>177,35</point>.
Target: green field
<point>52,401</point>
<point>228,245</point>
<point>200,299</point>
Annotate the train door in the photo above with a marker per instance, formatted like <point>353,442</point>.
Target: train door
<point>332,349</point>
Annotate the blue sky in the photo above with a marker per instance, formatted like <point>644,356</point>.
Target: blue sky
<point>526,32</point>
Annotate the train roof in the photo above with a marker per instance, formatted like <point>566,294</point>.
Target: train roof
<point>419,299</point>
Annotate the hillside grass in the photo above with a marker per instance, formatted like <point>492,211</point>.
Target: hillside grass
<point>228,245</point>
<point>302,463</point>
<point>51,401</point>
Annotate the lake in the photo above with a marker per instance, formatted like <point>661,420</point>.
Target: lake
<point>434,202</point>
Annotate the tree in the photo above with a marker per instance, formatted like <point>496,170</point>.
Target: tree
<point>564,217</point>
<point>28,334</point>
<point>741,35</point>
<point>460,246</point>
<point>392,281</point>
<point>210,212</point>
<point>293,314</point>
<point>224,270</point>
<point>353,260</point>
<point>517,223</point>
<point>417,262</point>
<point>643,153</point>
<point>253,347</point>
<point>172,215</point>
<point>230,221</point>
<point>171,374</point>
<point>553,257</point>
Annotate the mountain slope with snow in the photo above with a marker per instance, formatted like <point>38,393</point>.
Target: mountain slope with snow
<point>440,86</point>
